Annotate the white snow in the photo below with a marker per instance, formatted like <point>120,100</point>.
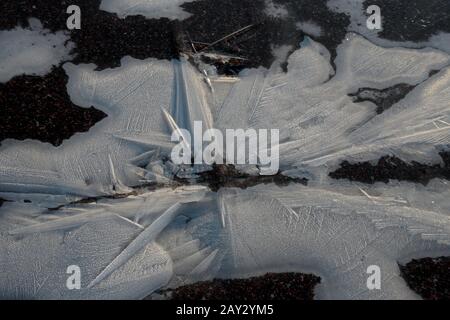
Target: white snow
<point>152,9</point>
<point>31,51</point>
<point>275,10</point>
<point>310,28</point>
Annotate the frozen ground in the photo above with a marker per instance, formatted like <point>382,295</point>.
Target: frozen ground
<point>130,245</point>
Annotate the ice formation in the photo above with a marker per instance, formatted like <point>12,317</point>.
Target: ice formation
<point>129,246</point>
<point>148,8</point>
<point>31,51</point>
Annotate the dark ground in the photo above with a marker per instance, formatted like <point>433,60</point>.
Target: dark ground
<point>270,287</point>
<point>430,278</point>
<point>38,108</point>
<point>417,20</point>
<point>390,167</point>
<point>383,99</point>
<point>334,25</point>
<point>104,38</point>
<point>34,107</point>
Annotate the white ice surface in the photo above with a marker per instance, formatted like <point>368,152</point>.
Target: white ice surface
<point>231,234</point>
<point>34,267</point>
<point>97,162</point>
<point>151,9</point>
<point>320,124</point>
<point>37,248</point>
<point>331,228</point>
<point>31,51</point>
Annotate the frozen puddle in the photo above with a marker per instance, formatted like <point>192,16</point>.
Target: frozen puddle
<point>130,247</point>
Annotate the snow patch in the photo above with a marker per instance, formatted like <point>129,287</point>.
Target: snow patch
<point>152,9</point>
<point>310,28</point>
<point>32,51</point>
<point>275,10</point>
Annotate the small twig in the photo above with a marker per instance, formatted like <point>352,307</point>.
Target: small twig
<point>202,43</point>
<point>228,36</point>
<point>192,43</point>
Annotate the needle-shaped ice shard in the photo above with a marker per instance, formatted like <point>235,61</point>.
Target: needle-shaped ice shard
<point>148,235</point>
<point>63,223</point>
<point>150,139</point>
<point>118,186</point>
<point>190,104</point>
<point>175,128</point>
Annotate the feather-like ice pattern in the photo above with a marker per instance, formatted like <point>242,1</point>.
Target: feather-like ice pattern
<point>204,266</point>
<point>131,96</point>
<point>330,234</point>
<point>63,223</point>
<point>334,234</point>
<point>320,124</point>
<point>334,229</point>
<point>136,208</point>
<point>143,111</point>
<point>34,266</point>
<point>147,236</point>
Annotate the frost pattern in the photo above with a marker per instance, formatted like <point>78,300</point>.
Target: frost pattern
<point>129,247</point>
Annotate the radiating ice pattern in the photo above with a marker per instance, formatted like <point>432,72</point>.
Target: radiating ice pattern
<point>130,242</point>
